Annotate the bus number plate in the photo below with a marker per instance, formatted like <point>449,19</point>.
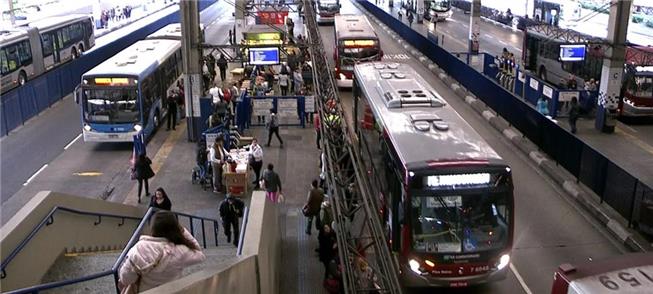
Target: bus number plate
<point>113,136</point>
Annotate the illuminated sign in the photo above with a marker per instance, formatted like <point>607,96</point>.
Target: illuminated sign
<point>458,180</point>
<point>264,56</point>
<point>112,81</point>
<point>360,43</point>
<point>572,52</point>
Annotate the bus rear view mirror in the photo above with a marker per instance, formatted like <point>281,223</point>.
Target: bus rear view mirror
<point>77,93</point>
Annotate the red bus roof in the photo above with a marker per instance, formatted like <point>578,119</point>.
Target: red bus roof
<point>349,26</point>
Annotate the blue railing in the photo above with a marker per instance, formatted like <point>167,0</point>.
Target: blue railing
<point>123,255</point>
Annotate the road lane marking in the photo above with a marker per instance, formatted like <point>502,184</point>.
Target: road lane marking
<point>35,174</point>
<point>520,279</point>
<point>488,36</point>
<point>648,148</point>
<point>88,174</point>
<point>502,42</point>
<point>72,142</point>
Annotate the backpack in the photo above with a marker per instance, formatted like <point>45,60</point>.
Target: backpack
<point>273,122</point>
<point>226,94</point>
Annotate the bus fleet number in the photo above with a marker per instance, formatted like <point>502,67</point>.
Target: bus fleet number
<point>624,279</point>
<point>396,57</point>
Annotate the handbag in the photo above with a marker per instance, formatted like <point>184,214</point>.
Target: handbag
<point>305,210</point>
<point>281,199</point>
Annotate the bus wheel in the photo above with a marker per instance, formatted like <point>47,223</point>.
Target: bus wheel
<point>157,119</point>
<point>22,78</point>
<point>542,73</point>
<point>81,48</point>
<point>75,54</point>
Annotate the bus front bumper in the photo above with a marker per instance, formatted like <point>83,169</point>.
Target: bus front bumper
<point>632,110</point>
<point>92,136</point>
<point>412,279</point>
<point>346,83</point>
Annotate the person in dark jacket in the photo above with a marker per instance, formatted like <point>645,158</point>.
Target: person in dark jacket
<point>160,200</point>
<point>327,243</point>
<point>574,113</point>
<point>312,207</point>
<point>172,108</point>
<point>271,182</point>
<point>231,209</point>
<point>222,65</point>
<point>143,172</point>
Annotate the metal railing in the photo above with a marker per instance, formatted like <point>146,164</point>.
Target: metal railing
<point>243,229</point>
<point>123,255</point>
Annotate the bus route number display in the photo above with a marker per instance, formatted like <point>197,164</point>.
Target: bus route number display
<point>264,56</point>
<point>621,281</point>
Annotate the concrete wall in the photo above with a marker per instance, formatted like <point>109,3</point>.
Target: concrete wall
<point>69,232</point>
<point>256,272</point>
<point>239,277</point>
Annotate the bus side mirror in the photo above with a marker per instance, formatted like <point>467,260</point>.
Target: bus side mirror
<point>77,94</point>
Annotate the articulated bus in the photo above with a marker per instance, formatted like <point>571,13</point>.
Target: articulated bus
<point>356,42</point>
<point>438,10</point>
<point>327,10</point>
<point>629,273</point>
<point>541,55</point>
<point>446,197</point>
<point>30,50</point>
<point>125,94</point>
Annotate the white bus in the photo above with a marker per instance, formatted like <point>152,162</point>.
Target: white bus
<point>171,32</point>
<point>327,10</point>
<point>356,41</point>
<point>125,94</point>
<point>30,50</point>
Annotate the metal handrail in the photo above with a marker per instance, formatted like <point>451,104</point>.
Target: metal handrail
<point>123,255</point>
<point>243,228</point>
<point>48,220</point>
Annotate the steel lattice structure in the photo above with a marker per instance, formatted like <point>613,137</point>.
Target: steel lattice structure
<point>363,252</point>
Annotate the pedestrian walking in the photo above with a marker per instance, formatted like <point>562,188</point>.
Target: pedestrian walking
<point>217,156</point>
<point>410,19</point>
<point>318,131</point>
<point>142,172</point>
<point>222,65</point>
<point>312,207</point>
<point>574,114</point>
<point>283,83</point>
<point>256,160</point>
<point>327,243</point>
<point>325,212</point>
<point>159,258</point>
<point>172,108</point>
<point>210,63</point>
<point>273,128</point>
<point>399,14</point>
<point>298,79</point>
<point>231,209</point>
<point>231,40</point>
<point>160,200</point>
<point>271,183</point>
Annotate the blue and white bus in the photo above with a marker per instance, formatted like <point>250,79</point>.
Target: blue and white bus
<point>125,94</point>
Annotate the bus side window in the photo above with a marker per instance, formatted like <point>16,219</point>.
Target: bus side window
<point>13,61</point>
<point>4,63</point>
<point>46,42</point>
<point>24,53</point>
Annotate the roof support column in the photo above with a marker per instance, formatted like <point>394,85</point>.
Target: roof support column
<point>240,21</point>
<point>613,66</point>
<point>191,51</point>
<point>420,11</point>
<point>474,26</point>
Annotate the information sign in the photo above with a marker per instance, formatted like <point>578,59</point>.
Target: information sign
<point>264,56</point>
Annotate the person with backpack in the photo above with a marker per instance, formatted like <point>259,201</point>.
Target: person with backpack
<point>222,65</point>
<point>143,173</point>
<point>273,128</point>
<point>312,207</point>
<point>172,108</point>
<point>231,209</point>
<point>271,183</point>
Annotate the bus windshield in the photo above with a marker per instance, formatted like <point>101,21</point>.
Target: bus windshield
<point>349,55</point>
<point>111,105</point>
<point>440,5</point>
<point>460,223</point>
<point>329,7</point>
<point>642,86</point>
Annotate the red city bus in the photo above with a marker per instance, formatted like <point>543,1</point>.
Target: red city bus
<point>356,42</point>
<point>630,273</point>
<point>446,197</point>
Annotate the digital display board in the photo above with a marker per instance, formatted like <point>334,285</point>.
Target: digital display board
<point>112,81</point>
<point>572,52</point>
<point>264,56</point>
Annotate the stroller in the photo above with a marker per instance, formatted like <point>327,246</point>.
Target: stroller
<point>202,173</point>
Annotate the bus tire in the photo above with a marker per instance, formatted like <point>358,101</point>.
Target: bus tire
<point>157,119</point>
<point>74,54</point>
<point>22,78</point>
<point>541,73</point>
<point>81,48</point>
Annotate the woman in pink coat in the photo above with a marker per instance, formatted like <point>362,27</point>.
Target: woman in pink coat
<point>160,258</point>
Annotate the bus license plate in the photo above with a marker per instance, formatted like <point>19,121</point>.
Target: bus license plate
<point>458,284</point>
<point>113,136</point>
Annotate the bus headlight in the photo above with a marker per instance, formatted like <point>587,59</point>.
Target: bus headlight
<point>137,128</point>
<point>414,266</point>
<point>87,128</point>
<point>342,76</point>
<point>503,261</point>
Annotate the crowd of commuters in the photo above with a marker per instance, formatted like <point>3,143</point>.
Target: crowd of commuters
<point>114,14</point>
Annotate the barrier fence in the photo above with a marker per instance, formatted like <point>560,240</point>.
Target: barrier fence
<point>255,111</point>
<point>618,188</point>
<point>19,105</point>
